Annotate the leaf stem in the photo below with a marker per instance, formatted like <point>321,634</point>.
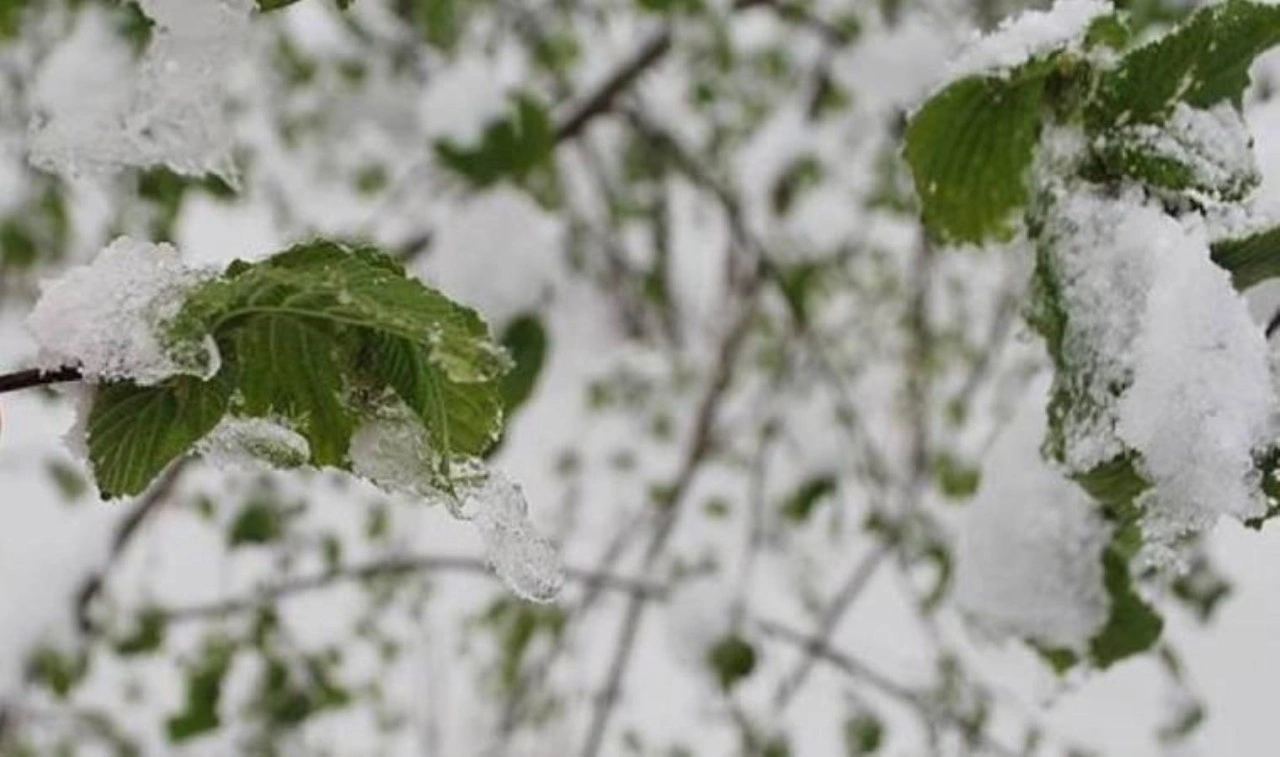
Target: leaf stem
<point>33,377</point>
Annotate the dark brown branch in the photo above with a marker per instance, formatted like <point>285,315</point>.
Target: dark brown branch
<point>29,379</point>
<point>601,99</point>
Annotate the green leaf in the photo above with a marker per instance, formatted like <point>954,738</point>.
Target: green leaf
<point>462,419</point>
<point>260,521</point>
<point>732,659</point>
<point>525,338</point>
<point>146,637</point>
<point>1132,626</point>
<point>289,367</point>
<point>1250,260</point>
<point>1204,61</point>
<point>970,148</point>
<point>863,735</point>
<point>135,431</point>
<point>512,147</point>
<point>804,500</point>
<point>204,690</point>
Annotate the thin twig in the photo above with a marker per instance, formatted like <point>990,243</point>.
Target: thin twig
<point>602,98</point>
<point>857,582</point>
<point>126,531</point>
<point>28,379</point>
<point>700,447</point>
<point>390,567</point>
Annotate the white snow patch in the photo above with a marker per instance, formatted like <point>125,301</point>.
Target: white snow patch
<point>253,443</point>
<point>1202,400</point>
<point>99,113</point>
<point>106,316</point>
<point>1029,558</point>
<point>519,554</point>
<point>395,454</point>
<point>1027,35</point>
<point>1214,144</point>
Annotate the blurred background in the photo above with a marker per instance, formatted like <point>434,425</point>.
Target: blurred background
<point>749,404</point>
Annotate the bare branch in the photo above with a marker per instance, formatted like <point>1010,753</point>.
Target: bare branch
<point>391,567</point>
<point>12,382</point>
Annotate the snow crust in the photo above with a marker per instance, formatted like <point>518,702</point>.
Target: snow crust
<point>167,110</point>
<point>1029,558</point>
<point>106,317</point>
<point>1027,35</point>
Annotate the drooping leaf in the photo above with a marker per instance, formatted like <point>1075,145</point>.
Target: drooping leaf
<point>1132,627</point>
<point>525,338</point>
<point>1203,62</point>
<point>805,499</point>
<point>970,148</point>
<point>135,431</point>
<point>1251,259</point>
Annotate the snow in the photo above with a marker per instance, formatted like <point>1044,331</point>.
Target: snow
<point>1165,360</point>
<point>106,316</point>
<point>394,453</point>
<point>254,442</point>
<point>523,558</point>
<point>1028,35</point>
<point>1214,144</point>
<point>1029,557</point>
<point>1202,400</point>
<point>167,110</point>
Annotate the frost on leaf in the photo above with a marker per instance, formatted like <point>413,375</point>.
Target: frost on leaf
<point>166,110</point>
<point>105,317</point>
<point>1029,562</point>
<point>254,442</point>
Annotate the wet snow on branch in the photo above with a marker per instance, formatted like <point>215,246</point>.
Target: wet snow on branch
<point>101,113</point>
<point>106,317</point>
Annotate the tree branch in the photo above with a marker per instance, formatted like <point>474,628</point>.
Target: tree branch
<point>390,567</point>
<point>12,382</point>
<point>602,98</point>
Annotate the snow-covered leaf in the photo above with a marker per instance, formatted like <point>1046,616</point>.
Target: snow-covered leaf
<point>1205,61</point>
<point>1251,259</point>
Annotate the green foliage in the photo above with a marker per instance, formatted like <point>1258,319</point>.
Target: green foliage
<point>1132,626</point>
<point>147,636</point>
<point>800,505</point>
<point>204,691</point>
<point>525,339</point>
<point>970,148</point>
<point>732,659</point>
<point>260,521</point>
<point>1251,259</point>
<point>516,147</point>
<point>135,431</point>
<point>302,336</point>
<point>57,670</point>
<point>1202,62</point>
<point>863,735</point>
